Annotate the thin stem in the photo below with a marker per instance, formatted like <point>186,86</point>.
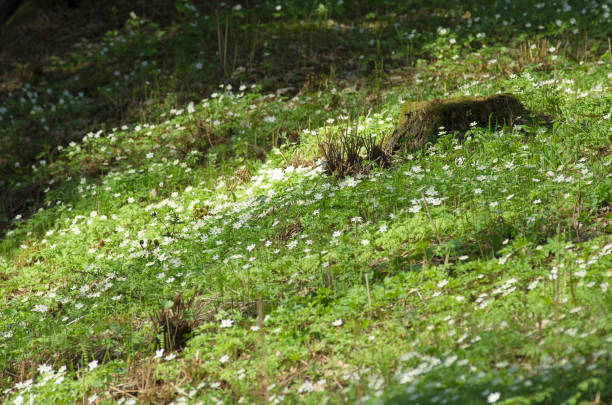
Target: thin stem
<point>433,224</point>
<point>368,289</point>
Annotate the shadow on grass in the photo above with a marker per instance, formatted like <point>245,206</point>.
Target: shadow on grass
<point>568,384</point>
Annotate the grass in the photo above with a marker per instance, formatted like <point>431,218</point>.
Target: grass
<point>175,237</point>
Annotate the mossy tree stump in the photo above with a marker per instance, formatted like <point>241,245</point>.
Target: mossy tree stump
<point>419,122</point>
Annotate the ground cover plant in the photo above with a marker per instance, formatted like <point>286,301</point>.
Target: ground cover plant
<point>182,229</point>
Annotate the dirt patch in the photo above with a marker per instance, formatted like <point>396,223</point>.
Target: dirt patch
<point>421,122</point>
<point>291,230</point>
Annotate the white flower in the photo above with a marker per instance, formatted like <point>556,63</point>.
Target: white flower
<point>190,108</point>
<point>382,228</point>
<point>433,201</point>
<point>504,259</point>
<point>431,192</point>
<point>442,283</point>
<point>337,322</point>
<point>40,308</point>
<point>493,397</point>
<point>226,323</point>
<point>350,182</point>
<point>365,242</point>
<point>580,273</point>
<point>414,209</point>
<point>171,356</point>
<point>224,359</point>
<point>450,360</point>
<point>306,386</point>
<point>27,384</point>
<point>93,364</point>
<point>44,368</point>
<point>158,354</point>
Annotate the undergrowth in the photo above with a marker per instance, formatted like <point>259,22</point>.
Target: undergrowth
<point>248,243</point>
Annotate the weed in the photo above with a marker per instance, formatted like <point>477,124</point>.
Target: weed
<point>350,152</point>
<point>175,322</point>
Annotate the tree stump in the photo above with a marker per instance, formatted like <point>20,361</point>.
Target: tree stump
<point>420,122</point>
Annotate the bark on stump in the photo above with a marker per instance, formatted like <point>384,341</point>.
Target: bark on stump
<point>420,122</point>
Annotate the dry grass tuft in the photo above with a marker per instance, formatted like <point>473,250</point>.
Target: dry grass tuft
<point>288,232</point>
<point>351,153</point>
<point>240,176</point>
<point>175,323</point>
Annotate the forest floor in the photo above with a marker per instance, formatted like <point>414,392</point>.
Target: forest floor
<point>169,231</point>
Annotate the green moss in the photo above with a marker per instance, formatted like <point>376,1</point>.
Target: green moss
<point>420,121</point>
